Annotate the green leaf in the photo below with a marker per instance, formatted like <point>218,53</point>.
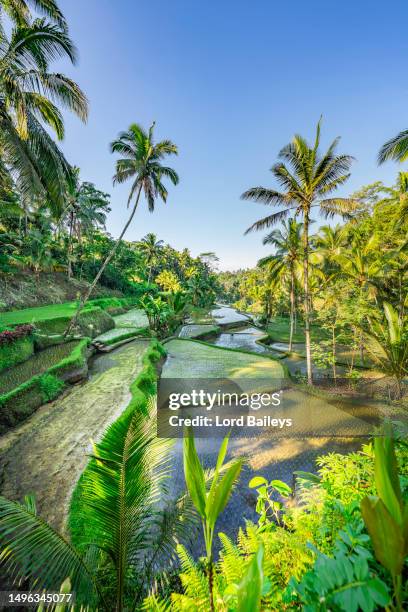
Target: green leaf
<point>386,474</point>
<point>281,487</point>
<point>250,587</point>
<point>385,533</point>
<point>256,481</point>
<point>218,499</point>
<point>379,591</point>
<point>194,474</point>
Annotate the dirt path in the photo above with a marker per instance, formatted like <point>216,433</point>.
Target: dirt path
<point>46,455</point>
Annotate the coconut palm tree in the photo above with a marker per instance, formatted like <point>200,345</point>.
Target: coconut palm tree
<point>307,179</point>
<point>30,100</point>
<point>284,264</point>
<point>141,161</point>
<point>85,211</point>
<point>396,148</point>
<point>150,247</point>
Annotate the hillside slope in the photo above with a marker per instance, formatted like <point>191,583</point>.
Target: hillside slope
<point>26,289</point>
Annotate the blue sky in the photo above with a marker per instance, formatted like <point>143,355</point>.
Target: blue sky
<point>230,82</point>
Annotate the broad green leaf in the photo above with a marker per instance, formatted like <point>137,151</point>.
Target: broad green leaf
<point>379,591</point>
<point>386,475</point>
<point>281,487</point>
<point>222,452</point>
<point>250,587</point>
<point>256,481</point>
<point>218,498</point>
<point>220,460</point>
<point>385,533</point>
<point>194,474</point>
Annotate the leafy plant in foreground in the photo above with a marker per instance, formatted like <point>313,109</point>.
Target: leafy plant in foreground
<point>343,582</point>
<point>266,504</point>
<point>386,514</point>
<point>209,504</point>
<point>122,540</point>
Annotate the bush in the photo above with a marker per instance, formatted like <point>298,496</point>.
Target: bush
<point>320,559</point>
<point>51,387</point>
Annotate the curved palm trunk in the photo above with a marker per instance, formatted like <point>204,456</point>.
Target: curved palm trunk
<point>292,306</point>
<point>307,296</point>
<point>71,231</point>
<point>91,288</point>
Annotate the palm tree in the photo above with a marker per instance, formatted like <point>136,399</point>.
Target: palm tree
<point>30,101</point>
<point>307,180</point>
<point>86,210</point>
<point>141,162</point>
<point>395,149</point>
<point>150,247</point>
<point>285,262</point>
<point>120,524</point>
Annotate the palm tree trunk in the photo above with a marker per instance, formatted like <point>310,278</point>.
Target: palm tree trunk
<point>292,307</point>
<point>307,296</point>
<point>71,231</point>
<point>91,288</point>
<point>334,352</point>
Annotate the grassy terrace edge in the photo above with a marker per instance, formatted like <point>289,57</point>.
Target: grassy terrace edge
<point>19,403</point>
<point>141,389</point>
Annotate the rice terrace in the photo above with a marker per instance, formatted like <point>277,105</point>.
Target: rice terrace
<point>203,298</point>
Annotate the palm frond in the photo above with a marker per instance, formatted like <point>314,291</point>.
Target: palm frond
<point>268,221</point>
<point>121,485</point>
<point>396,148</point>
<point>338,206</point>
<point>31,549</point>
<point>265,196</point>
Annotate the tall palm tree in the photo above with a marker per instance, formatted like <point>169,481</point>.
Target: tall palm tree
<point>86,210</point>
<point>150,247</point>
<point>285,262</point>
<point>396,148</point>
<point>30,100</point>
<point>307,179</point>
<point>141,162</point>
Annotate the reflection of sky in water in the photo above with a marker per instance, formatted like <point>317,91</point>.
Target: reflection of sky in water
<point>225,314</point>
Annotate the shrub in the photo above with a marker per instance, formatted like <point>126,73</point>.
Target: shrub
<point>51,387</point>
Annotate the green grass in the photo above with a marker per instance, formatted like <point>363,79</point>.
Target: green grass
<point>16,352</point>
<point>37,364</point>
<point>40,313</point>
<point>54,311</point>
<point>279,327</point>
